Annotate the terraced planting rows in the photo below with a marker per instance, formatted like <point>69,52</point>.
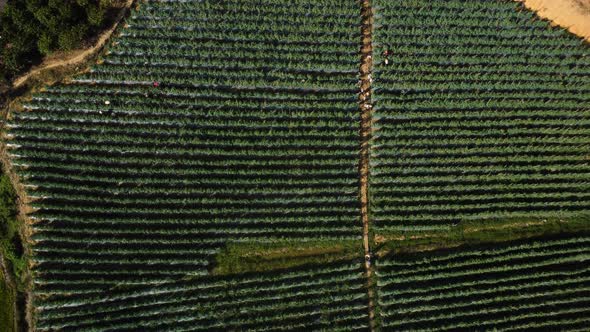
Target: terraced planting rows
<point>482,111</point>
<point>540,285</point>
<point>330,297</point>
<point>208,123</point>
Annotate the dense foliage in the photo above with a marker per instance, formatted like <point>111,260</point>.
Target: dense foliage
<point>32,28</point>
<point>12,255</point>
<point>10,240</point>
<point>482,111</point>
<point>7,213</point>
<point>540,285</point>
<point>217,135</point>
<point>7,303</point>
<point>208,123</point>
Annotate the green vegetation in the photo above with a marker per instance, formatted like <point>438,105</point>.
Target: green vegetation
<point>207,126</point>
<point>327,297</point>
<point>481,113</point>
<point>242,257</point>
<point>10,240</point>
<point>526,285</point>
<point>473,232</point>
<point>31,28</point>
<point>7,303</point>
<point>204,175</point>
<point>481,138</point>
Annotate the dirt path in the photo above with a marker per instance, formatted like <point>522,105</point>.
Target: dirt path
<point>571,14</point>
<point>71,59</point>
<point>365,134</point>
<point>75,57</point>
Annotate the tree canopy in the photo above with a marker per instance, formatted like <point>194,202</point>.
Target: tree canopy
<point>30,29</point>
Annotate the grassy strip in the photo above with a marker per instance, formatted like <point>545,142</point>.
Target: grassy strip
<point>256,256</point>
<point>7,302</point>
<point>10,242</point>
<point>243,257</point>
<point>492,230</point>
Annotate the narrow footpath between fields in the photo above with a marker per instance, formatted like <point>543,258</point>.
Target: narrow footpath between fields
<point>365,136</point>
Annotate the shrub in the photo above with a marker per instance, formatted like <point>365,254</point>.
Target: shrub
<point>31,28</point>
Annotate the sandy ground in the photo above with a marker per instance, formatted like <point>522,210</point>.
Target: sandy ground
<point>571,14</point>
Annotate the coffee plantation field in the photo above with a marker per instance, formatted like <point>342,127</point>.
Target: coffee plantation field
<point>209,172</point>
<point>328,297</point>
<point>186,137</point>
<point>206,123</point>
<point>535,285</point>
<point>481,111</point>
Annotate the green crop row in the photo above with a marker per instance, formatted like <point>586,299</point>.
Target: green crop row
<point>527,284</point>
<point>306,298</point>
<point>211,138</point>
<point>471,124</point>
<point>204,175</point>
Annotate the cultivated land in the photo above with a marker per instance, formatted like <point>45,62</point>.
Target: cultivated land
<point>189,139</point>
<point>330,296</point>
<point>228,166</point>
<point>482,113</point>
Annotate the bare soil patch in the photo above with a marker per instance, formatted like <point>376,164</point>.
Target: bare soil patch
<point>571,14</point>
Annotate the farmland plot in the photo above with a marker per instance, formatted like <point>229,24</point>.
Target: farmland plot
<point>328,297</point>
<point>481,111</point>
<point>535,285</point>
<point>205,174</point>
<point>208,122</point>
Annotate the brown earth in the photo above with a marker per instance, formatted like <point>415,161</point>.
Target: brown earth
<point>365,136</point>
<point>75,57</point>
<point>571,14</point>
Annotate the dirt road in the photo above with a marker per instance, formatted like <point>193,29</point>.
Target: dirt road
<point>365,133</point>
<point>75,57</point>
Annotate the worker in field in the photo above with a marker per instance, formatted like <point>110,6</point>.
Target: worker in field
<point>108,111</point>
<point>386,54</point>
